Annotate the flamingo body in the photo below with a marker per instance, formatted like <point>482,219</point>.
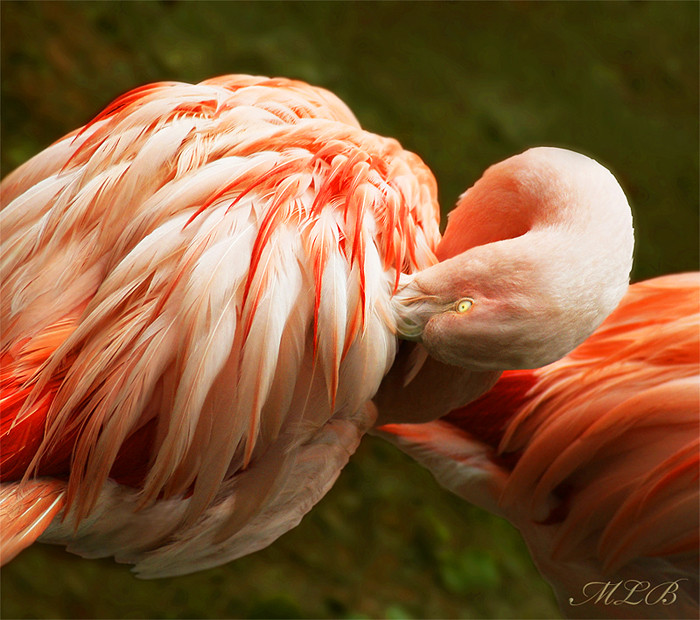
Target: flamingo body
<point>158,266</point>
<point>595,457</point>
<point>204,286</point>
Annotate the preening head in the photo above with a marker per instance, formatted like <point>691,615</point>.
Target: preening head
<point>535,256</point>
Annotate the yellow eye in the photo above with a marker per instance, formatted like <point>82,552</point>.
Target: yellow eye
<point>464,305</point>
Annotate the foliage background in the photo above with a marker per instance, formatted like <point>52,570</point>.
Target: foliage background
<point>463,85</point>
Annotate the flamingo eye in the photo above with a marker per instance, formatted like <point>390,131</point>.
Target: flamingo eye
<point>464,305</point>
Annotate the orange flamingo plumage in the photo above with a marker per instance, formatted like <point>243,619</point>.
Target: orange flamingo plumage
<point>594,458</point>
<point>204,286</point>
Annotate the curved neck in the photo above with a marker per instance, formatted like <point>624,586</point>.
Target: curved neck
<point>543,188</point>
<point>485,214</point>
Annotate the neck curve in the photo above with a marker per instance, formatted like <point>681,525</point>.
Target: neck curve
<point>543,246</point>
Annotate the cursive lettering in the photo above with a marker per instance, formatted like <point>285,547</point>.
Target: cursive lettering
<point>628,592</point>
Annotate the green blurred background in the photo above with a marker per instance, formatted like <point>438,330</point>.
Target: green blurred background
<point>463,85</point>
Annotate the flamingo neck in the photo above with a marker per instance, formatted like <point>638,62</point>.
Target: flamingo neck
<point>485,214</point>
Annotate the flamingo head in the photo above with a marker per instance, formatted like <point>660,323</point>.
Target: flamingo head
<point>535,256</point>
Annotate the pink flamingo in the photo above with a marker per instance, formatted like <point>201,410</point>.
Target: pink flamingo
<point>203,288</point>
<point>594,458</point>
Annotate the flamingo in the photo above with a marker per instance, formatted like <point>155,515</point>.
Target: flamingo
<point>594,458</point>
<point>204,286</point>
